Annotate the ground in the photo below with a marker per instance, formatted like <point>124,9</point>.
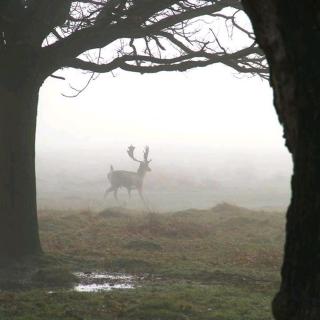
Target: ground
<point>219,264</point>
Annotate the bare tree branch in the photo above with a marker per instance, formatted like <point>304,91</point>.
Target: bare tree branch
<point>134,35</point>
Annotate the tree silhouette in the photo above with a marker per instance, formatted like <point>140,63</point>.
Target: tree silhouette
<point>289,33</point>
<point>39,37</point>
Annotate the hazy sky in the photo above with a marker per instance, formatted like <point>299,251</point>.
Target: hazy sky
<point>203,108</point>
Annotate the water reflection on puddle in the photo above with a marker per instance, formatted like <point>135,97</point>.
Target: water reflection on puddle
<point>101,287</point>
<point>94,282</point>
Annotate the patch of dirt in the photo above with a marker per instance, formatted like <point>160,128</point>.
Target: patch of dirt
<point>229,208</point>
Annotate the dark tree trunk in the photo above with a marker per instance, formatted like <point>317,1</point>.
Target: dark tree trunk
<point>289,33</point>
<point>18,210</point>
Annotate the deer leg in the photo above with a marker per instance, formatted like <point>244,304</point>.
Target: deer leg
<point>115,194</point>
<point>143,199</point>
<point>141,196</point>
<point>129,193</point>
<point>108,191</point>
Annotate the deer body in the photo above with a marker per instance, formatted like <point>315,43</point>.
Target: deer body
<point>128,179</point>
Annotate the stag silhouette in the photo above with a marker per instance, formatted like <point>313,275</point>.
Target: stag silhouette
<point>129,179</point>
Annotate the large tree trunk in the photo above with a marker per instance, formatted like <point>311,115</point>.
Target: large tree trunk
<point>18,211</point>
<point>289,33</point>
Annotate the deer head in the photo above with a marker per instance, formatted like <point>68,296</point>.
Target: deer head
<point>144,165</point>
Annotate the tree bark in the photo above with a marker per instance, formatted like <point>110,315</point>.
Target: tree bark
<point>18,210</point>
<point>289,33</point>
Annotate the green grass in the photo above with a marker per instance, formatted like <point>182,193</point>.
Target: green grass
<point>215,264</point>
<point>177,301</point>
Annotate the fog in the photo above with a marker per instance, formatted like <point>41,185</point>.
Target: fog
<point>213,136</point>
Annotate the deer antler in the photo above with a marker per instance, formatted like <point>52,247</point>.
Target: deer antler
<point>130,152</point>
<point>146,154</point>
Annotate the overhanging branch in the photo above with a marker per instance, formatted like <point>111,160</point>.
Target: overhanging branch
<point>101,35</point>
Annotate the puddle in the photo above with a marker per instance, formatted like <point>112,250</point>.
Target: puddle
<point>94,282</point>
<point>101,287</point>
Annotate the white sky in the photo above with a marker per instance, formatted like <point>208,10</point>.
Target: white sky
<point>203,108</point>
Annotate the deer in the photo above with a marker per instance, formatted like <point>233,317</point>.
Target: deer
<point>129,179</point>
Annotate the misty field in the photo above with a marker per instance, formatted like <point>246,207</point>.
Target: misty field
<point>219,264</point>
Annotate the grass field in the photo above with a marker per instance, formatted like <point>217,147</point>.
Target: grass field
<point>217,264</point>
